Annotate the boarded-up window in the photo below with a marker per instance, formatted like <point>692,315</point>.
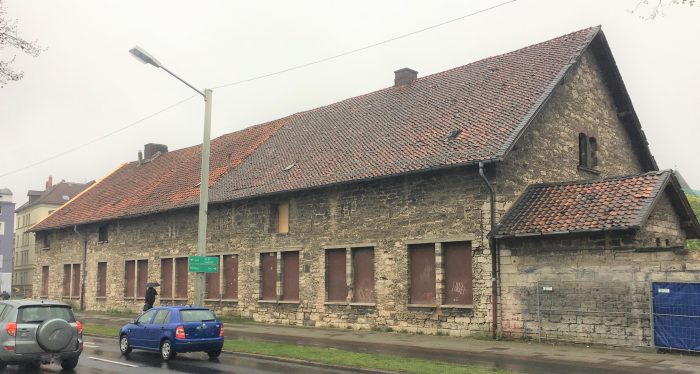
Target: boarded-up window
<point>363,275</point>
<point>76,281</point>
<point>422,273</point>
<point>283,218</point>
<point>129,275</point>
<point>336,287</point>
<point>583,150</point>
<point>141,277</point>
<point>213,280</point>
<point>101,279</point>
<point>230,275</point>
<point>268,278</point>
<point>279,217</point>
<point>290,276</point>
<point>457,260</point>
<point>166,278</point>
<point>66,280</point>
<point>45,281</point>
<point>181,273</point>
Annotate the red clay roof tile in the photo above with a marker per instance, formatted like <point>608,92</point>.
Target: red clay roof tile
<point>616,203</point>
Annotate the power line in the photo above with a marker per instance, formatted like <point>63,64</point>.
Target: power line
<point>365,47</point>
<point>132,124</point>
<point>296,67</point>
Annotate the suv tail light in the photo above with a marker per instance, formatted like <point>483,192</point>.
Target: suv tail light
<point>11,328</point>
<point>180,332</point>
<point>79,326</point>
<point>221,332</point>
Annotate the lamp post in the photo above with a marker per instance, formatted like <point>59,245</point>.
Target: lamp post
<point>146,58</point>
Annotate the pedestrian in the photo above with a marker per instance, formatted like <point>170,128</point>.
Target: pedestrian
<point>150,298</point>
<point>5,295</point>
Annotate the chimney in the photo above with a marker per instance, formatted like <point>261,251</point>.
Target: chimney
<point>49,182</point>
<point>150,150</point>
<point>140,154</point>
<point>404,76</point>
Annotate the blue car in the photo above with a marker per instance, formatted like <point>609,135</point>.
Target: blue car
<point>173,329</point>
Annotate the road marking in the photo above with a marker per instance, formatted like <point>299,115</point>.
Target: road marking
<point>113,362</point>
<point>91,345</point>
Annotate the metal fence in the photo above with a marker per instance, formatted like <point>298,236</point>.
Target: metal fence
<point>676,315</point>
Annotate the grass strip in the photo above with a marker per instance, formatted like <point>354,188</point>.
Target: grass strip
<point>329,356</point>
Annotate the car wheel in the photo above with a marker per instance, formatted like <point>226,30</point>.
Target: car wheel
<point>124,346</point>
<point>214,354</point>
<point>70,363</point>
<point>166,350</point>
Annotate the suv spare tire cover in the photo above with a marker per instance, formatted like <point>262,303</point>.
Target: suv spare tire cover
<point>54,335</point>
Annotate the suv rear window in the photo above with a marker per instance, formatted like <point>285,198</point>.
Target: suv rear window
<point>39,314</point>
<point>197,315</point>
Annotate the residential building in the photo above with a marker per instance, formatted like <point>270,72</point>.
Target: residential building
<point>419,207</point>
<point>39,206</point>
<point>7,229</point>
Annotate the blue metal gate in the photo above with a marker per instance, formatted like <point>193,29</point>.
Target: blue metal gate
<point>676,315</point>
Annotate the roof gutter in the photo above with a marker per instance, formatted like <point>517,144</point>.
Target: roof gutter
<point>495,258</point>
<point>82,267</point>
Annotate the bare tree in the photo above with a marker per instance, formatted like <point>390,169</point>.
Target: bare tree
<point>10,38</point>
<point>650,9</point>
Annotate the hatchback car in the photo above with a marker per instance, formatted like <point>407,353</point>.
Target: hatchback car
<point>174,329</point>
<point>39,331</point>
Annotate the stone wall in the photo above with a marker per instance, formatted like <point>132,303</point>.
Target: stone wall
<point>591,288</point>
<point>387,214</point>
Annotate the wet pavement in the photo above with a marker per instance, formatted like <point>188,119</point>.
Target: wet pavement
<point>521,357</point>
<point>102,356</point>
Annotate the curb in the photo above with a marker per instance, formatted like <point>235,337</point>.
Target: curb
<point>285,359</point>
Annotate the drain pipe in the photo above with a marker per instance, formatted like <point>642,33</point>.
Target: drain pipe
<point>82,267</point>
<point>494,253</point>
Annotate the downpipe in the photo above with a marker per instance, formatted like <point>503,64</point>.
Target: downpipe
<point>494,253</point>
<point>82,267</point>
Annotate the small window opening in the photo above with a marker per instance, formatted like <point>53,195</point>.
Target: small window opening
<point>658,242</point>
<point>45,241</point>
<point>587,151</point>
<point>102,234</point>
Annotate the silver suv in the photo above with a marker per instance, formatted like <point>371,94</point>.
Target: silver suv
<point>35,332</point>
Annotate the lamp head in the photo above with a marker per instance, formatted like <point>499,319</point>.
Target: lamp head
<point>143,56</point>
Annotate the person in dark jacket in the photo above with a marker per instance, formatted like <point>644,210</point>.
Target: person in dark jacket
<point>150,298</point>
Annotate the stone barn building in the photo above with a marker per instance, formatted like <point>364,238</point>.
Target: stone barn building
<point>419,207</point>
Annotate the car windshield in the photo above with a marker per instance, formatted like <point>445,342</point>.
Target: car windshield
<point>39,314</point>
<point>197,315</point>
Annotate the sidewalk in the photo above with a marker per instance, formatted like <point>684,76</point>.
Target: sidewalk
<point>517,356</point>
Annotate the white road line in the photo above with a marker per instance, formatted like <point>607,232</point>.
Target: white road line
<point>91,345</point>
<point>113,362</point>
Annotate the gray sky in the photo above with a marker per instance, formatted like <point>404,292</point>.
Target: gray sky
<point>87,85</point>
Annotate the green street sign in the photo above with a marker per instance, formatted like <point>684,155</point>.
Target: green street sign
<point>203,264</point>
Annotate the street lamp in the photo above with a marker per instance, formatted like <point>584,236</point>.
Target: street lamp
<point>146,58</point>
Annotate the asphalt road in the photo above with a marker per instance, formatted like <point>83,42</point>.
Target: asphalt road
<point>102,356</point>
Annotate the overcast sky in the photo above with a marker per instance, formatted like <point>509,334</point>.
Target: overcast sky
<point>86,85</point>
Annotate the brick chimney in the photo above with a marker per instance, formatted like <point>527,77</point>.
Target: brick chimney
<point>404,76</point>
<point>150,150</point>
<point>49,182</point>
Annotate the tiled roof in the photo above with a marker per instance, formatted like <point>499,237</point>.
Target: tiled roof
<point>405,129</point>
<point>607,204</point>
<point>169,181</point>
<point>392,131</point>
<point>58,194</point>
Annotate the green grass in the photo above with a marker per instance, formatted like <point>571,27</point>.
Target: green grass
<point>330,356</point>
